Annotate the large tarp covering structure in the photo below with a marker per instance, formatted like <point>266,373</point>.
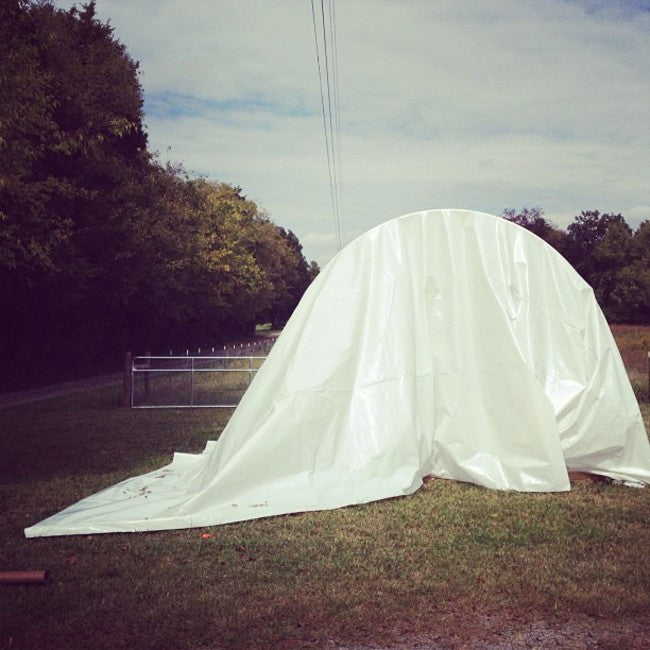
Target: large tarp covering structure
<point>448,343</point>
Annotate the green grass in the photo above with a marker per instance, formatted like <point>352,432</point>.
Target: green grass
<point>452,559</point>
<point>634,344</point>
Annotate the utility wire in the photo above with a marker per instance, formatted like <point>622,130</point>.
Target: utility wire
<point>336,131</point>
<point>337,96</point>
<point>329,78</point>
<point>329,108</point>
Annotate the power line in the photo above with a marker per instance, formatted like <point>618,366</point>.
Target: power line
<point>336,132</point>
<point>329,78</point>
<point>337,96</point>
<point>329,89</point>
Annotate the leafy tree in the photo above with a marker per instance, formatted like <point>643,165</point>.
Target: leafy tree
<point>598,247</point>
<point>71,137</point>
<point>629,300</point>
<point>533,219</point>
<point>612,258</point>
<point>256,269</point>
<point>585,234</point>
<point>70,121</point>
<point>103,249</point>
<point>313,270</point>
<point>293,275</point>
<point>33,229</point>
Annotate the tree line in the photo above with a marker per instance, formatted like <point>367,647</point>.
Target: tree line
<point>611,256</point>
<point>104,249</point>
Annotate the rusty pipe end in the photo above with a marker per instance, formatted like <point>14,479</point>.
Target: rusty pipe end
<point>23,577</point>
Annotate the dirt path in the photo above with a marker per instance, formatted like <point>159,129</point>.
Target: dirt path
<point>56,390</point>
<point>581,634</point>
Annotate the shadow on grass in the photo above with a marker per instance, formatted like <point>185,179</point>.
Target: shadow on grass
<point>90,433</point>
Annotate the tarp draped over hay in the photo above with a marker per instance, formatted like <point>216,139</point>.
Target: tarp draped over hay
<point>446,343</point>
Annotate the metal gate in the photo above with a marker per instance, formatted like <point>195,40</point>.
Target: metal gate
<point>191,382</point>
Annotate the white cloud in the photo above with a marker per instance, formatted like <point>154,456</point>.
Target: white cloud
<point>443,104</point>
<point>637,214</point>
<point>320,243</point>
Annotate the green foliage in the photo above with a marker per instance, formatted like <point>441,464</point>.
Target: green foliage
<point>630,295</point>
<point>610,256</point>
<point>70,137</point>
<point>533,219</point>
<point>615,261</point>
<point>70,130</point>
<point>102,249</point>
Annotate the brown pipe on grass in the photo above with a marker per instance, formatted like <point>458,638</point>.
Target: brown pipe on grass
<point>23,577</point>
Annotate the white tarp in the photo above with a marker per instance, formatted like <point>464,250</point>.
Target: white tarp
<point>447,343</point>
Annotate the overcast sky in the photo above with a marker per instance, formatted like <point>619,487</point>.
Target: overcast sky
<point>472,104</point>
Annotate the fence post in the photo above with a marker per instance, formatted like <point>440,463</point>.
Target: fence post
<point>192,383</point>
<point>648,375</point>
<point>147,365</point>
<point>126,382</point>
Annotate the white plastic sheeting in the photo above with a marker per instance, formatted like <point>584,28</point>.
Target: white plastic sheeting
<point>447,343</point>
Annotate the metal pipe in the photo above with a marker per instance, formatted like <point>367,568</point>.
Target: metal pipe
<point>23,577</point>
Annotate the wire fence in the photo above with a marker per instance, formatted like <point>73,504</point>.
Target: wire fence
<point>259,347</point>
<point>198,380</point>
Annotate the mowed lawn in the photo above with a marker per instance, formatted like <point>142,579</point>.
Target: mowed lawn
<point>454,562</point>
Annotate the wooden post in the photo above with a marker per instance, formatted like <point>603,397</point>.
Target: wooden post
<point>649,376</point>
<point>126,383</point>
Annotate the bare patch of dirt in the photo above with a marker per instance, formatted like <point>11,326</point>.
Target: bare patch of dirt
<point>487,633</point>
